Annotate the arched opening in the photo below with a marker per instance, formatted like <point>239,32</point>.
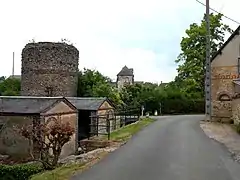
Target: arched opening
<point>224,97</point>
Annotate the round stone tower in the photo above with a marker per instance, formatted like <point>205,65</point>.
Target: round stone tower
<point>49,69</point>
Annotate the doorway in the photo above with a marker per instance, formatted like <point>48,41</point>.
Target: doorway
<point>84,121</point>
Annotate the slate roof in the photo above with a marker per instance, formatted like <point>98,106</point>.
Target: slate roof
<point>236,81</point>
<point>26,104</point>
<point>235,33</point>
<point>87,103</point>
<point>126,71</point>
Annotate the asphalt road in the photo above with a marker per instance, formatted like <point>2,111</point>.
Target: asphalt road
<point>172,148</point>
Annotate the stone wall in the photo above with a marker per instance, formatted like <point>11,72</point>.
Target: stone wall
<point>11,142</point>
<point>106,110</point>
<point>67,115</point>
<point>122,80</point>
<point>222,87</point>
<point>49,69</point>
<point>236,110</point>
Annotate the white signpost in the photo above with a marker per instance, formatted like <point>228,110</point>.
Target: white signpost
<point>143,110</point>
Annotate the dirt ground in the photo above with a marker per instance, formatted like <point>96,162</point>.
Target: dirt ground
<point>225,134</point>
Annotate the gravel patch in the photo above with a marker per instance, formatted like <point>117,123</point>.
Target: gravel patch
<point>225,134</point>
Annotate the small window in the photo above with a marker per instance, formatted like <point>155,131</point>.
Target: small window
<point>224,97</point>
<point>49,91</point>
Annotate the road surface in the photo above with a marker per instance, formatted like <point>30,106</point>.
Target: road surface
<point>172,148</point>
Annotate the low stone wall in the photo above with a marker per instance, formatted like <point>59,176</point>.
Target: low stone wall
<point>11,142</point>
<point>236,110</point>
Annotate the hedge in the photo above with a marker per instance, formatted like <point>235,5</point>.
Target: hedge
<point>19,172</point>
<point>177,106</point>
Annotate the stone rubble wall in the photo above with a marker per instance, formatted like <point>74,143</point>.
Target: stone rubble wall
<point>222,84</point>
<point>236,111</point>
<point>47,64</point>
<point>11,142</point>
<point>122,80</point>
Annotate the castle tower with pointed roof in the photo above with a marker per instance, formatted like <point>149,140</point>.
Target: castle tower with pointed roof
<point>125,77</point>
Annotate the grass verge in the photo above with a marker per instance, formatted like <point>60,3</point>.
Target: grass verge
<point>126,132</point>
<point>61,173</point>
<point>65,172</point>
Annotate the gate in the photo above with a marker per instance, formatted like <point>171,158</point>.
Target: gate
<point>106,123</point>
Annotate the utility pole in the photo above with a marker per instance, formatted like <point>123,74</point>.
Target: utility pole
<point>160,108</point>
<point>13,65</point>
<point>208,66</point>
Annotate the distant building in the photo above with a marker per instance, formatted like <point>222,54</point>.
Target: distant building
<point>163,84</point>
<point>125,77</point>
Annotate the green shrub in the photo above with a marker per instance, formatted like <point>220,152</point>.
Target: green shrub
<point>19,172</point>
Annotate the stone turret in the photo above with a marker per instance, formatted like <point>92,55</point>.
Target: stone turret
<point>49,69</point>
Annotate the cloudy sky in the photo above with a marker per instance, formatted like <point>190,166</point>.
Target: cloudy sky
<point>142,34</point>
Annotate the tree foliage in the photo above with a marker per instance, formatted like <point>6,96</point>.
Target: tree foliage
<point>48,140</point>
<point>191,60</point>
<point>92,83</point>
<point>10,86</point>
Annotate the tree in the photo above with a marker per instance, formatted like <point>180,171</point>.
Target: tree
<point>92,83</point>
<point>89,81</point>
<point>48,140</point>
<point>192,58</point>
<point>130,95</point>
<point>10,87</point>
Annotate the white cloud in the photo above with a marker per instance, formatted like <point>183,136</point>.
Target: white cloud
<point>99,27</point>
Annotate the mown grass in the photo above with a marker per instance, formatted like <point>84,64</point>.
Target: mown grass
<point>126,132</point>
<point>65,172</point>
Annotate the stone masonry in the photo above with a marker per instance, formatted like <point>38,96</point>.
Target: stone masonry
<point>125,77</point>
<point>236,110</point>
<point>49,69</point>
<point>222,92</point>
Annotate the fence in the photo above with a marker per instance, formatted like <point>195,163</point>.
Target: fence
<point>111,121</point>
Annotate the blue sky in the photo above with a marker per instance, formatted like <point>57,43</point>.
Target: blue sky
<point>142,34</point>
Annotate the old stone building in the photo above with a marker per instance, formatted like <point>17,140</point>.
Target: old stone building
<point>49,69</point>
<point>124,77</point>
<point>25,110</point>
<point>92,115</point>
<point>225,74</point>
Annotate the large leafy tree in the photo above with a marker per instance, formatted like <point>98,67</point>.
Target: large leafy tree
<point>10,87</point>
<point>191,69</point>
<point>92,83</point>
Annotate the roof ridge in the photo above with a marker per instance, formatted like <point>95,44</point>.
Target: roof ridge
<point>85,97</point>
<point>31,97</point>
<point>125,71</point>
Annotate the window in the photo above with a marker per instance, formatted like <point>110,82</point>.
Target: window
<point>49,91</point>
<point>224,97</point>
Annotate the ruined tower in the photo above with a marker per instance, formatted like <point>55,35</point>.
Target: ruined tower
<point>49,69</point>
